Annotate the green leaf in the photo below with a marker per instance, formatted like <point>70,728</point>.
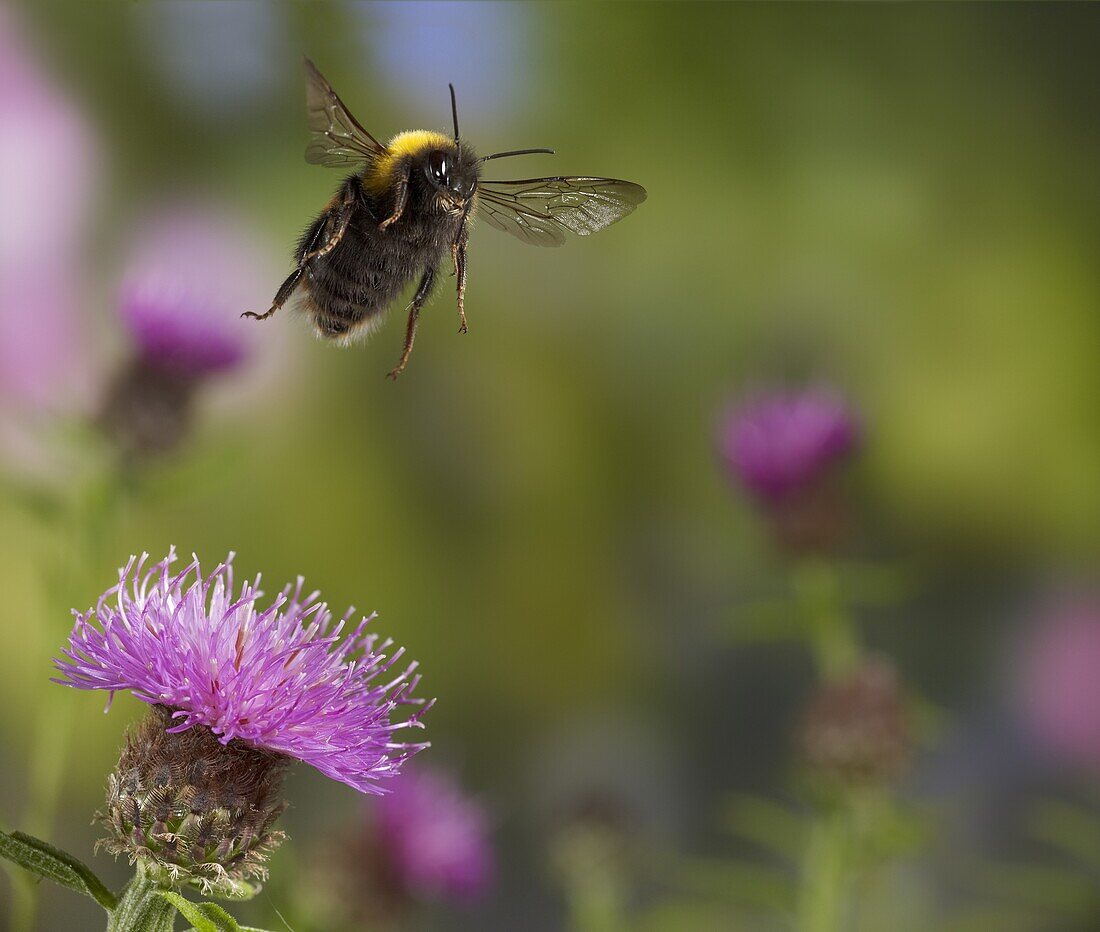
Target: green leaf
<point>1045,889</point>
<point>235,891</point>
<point>205,917</point>
<point>870,584</point>
<point>739,883</point>
<point>771,825</point>
<point>765,621</point>
<point>45,860</point>
<point>1072,829</point>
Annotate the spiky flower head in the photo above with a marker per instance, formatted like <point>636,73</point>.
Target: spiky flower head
<point>779,444</point>
<point>192,810</point>
<point>434,837</point>
<point>192,272</point>
<point>278,678</point>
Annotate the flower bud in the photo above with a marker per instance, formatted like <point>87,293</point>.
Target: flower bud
<point>855,731</point>
<point>148,410</point>
<point>192,810</point>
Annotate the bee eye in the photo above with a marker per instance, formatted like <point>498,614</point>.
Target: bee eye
<point>437,165</point>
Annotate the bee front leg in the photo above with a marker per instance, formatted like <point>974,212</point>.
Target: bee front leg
<point>422,292</point>
<point>460,270</point>
<point>400,197</point>
<point>458,256</point>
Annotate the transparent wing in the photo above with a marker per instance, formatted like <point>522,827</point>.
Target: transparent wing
<point>338,138</point>
<point>538,211</point>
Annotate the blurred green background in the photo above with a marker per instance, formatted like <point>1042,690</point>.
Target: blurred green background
<point>899,199</point>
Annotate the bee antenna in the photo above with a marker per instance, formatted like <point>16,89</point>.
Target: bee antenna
<point>510,152</point>
<point>454,109</point>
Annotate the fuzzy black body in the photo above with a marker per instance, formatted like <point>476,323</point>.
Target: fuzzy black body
<point>348,290</point>
<point>410,201</point>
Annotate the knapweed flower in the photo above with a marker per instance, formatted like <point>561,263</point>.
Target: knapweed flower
<point>782,443</point>
<point>434,837</point>
<point>48,159</point>
<point>191,275</point>
<point>783,449</point>
<point>855,730</point>
<point>238,692</point>
<point>1056,682</point>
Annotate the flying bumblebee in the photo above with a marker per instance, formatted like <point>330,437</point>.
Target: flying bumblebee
<point>405,205</point>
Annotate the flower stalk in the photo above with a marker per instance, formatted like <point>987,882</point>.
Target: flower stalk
<point>142,908</point>
<point>831,628</point>
<point>822,895</point>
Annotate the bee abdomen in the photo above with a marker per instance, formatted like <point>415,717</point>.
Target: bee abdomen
<point>350,287</point>
<point>336,313</point>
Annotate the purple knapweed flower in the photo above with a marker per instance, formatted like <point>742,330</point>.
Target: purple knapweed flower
<point>48,153</point>
<point>189,278</point>
<point>48,159</point>
<point>781,444</point>
<point>278,678</point>
<point>434,837</point>
<point>1057,686</point>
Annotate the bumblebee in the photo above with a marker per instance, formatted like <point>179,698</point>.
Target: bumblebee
<point>406,204</point>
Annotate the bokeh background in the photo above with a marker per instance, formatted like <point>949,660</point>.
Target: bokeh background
<point>900,201</point>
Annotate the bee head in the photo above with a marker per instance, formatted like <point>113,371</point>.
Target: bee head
<point>452,172</point>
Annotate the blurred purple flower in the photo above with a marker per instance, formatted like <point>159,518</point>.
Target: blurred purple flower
<point>190,276</point>
<point>435,838</point>
<point>47,173</point>
<point>277,678</point>
<point>1058,685</point>
<point>47,155</point>
<point>40,358</point>
<point>781,444</point>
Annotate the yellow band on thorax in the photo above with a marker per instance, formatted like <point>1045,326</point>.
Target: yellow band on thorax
<point>411,142</point>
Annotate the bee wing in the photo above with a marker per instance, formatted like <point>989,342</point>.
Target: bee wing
<point>538,211</point>
<point>338,138</point>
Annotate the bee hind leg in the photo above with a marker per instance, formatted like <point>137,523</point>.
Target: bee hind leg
<point>422,293</point>
<point>286,289</point>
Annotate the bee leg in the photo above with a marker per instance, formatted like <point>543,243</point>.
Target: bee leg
<point>422,293</point>
<point>400,197</point>
<point>458,256</point>
<point>284,292</point>
<point>286,289</point>
<point>341,219</point>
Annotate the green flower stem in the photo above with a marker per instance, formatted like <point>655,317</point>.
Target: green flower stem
<point>594,885</point>
<point>142,908</point>
<point>824,875</point>
<point>831,628</point>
